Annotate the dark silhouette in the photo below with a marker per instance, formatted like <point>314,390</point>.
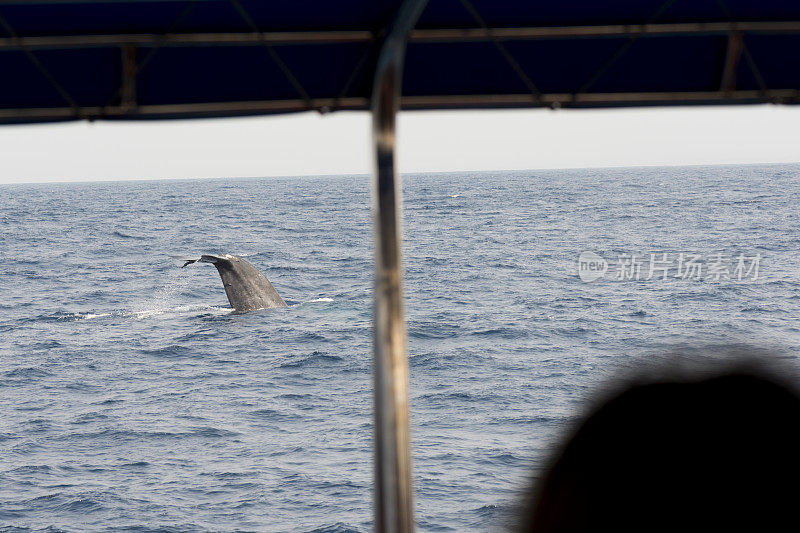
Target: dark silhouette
<point>717,454</point>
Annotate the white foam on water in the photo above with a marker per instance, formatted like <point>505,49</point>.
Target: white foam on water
<point>155,312</point>
<point>179,310</point>
<point>88,316</point>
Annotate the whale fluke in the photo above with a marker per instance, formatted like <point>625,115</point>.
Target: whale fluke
<point>246,287</point>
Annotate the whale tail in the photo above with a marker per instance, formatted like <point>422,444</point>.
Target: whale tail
<point>247,288</point>
<point>201,259</point>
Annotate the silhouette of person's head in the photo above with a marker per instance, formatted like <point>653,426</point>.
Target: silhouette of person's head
<point>715,454</point>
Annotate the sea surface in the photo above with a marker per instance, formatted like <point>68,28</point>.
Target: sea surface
<point>132,399</point>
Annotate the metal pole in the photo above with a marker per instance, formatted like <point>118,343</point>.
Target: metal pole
<point>394,505</point>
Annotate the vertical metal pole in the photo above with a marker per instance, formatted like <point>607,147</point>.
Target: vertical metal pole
<point>394,505</point>
<point>732,55</point>
<point>128,94</point>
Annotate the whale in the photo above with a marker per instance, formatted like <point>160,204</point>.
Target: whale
<point>247,288</point>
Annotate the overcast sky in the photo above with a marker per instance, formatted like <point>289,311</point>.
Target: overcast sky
<point>310,144</point>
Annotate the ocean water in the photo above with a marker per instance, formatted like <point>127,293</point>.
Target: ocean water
<point>134,400</point>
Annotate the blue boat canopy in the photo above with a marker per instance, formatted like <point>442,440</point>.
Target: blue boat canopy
<point>146,59</point>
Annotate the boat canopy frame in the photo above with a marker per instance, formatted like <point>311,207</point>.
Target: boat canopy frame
<point>101,66</point>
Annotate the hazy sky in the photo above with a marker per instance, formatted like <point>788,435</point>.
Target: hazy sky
<point>310,144</point>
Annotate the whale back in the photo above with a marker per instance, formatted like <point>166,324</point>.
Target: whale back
<point>247,288</point>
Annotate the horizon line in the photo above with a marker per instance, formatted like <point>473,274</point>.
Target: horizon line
<point>402,173</point>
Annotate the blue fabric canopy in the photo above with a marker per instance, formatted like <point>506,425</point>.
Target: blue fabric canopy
<point>137,59</point>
